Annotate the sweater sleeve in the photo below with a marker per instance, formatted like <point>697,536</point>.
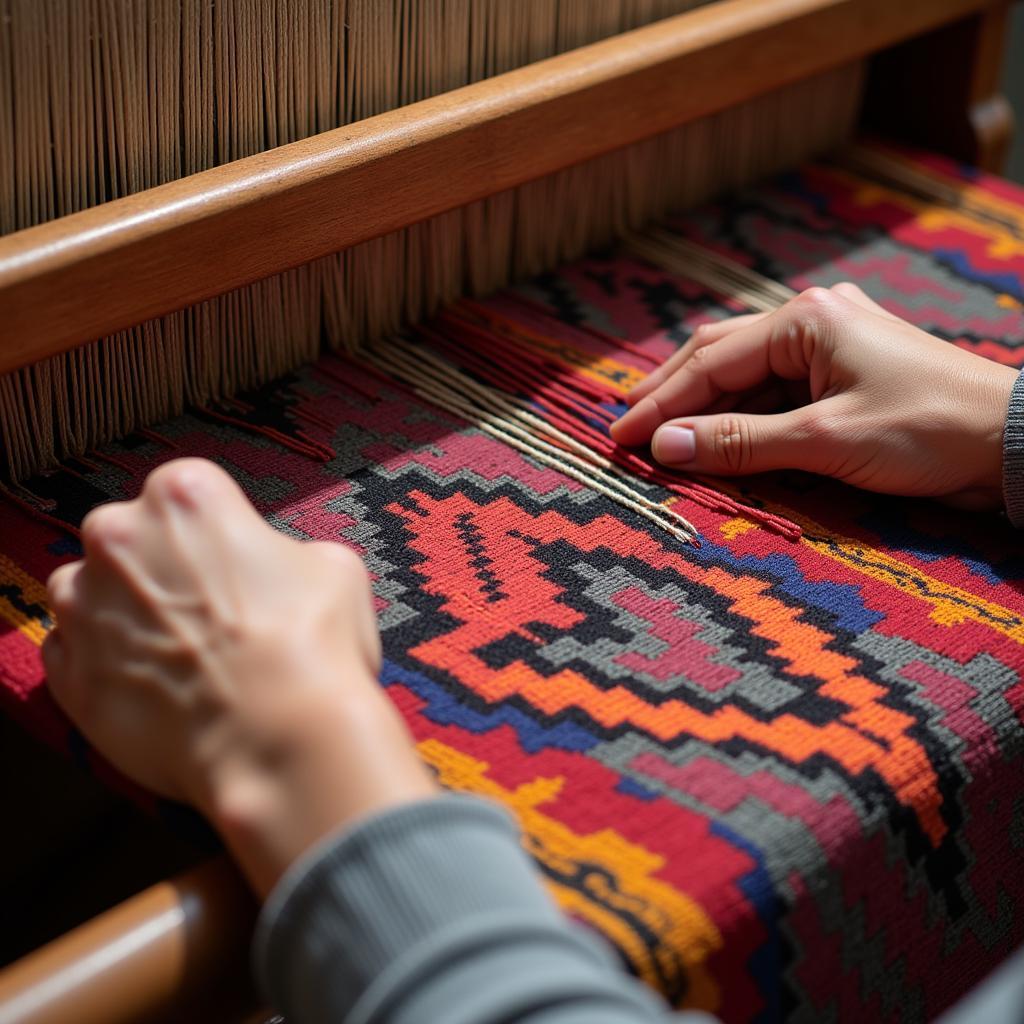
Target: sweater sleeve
<point>432,912</point>
<point>1013,455</point>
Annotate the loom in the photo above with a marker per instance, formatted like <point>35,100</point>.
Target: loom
<point>198,198</point>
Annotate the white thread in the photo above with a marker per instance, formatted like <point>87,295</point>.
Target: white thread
<point>442,392</point>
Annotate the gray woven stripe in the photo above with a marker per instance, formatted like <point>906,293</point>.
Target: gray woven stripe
<point>1013,454</point>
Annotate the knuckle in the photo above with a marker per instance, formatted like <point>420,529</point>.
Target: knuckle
<point>700,357</point>
<point>819,427</point>
<point>732,443</point>
<point>846,288</point>
<point>819,313</point>
<point>106,526</point>
<point>60,589</point>
<point>344,563</point>
<point>654,404</point>
<point>180,479</point>
<point>817,301</point>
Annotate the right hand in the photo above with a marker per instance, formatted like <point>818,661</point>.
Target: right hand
<point>879,403</point>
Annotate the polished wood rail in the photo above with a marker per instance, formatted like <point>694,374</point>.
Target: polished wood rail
<point>175,945</point>
<point>88,274</point>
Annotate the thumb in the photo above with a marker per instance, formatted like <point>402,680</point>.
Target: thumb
<point>733,443</point>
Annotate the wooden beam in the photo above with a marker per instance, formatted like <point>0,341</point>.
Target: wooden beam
<point>88,274</point>
<point>178,944</point>
<point>85,275</point>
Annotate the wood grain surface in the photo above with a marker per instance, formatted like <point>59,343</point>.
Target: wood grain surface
<point>72,280</point>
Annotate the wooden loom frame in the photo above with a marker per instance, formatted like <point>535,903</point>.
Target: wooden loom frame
<point>69,281</point>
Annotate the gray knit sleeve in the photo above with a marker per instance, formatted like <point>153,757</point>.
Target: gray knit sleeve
<point>432,913</point>
<point>1013,455</point>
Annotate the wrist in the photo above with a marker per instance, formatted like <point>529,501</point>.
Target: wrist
<point>326,767</point>
<point>992,419</point>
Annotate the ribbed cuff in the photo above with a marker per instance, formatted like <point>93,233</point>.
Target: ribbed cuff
<point>363,909</point>
<point>1013,455</point>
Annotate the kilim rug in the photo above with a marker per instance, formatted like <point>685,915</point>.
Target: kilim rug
<point>781,771</point>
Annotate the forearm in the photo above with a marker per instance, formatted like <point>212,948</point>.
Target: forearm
<point>308,771</point>
<point>433,912</point>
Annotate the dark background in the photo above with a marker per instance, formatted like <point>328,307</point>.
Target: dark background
<point>1013,86</point>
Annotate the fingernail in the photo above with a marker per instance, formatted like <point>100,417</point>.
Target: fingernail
<point>674,446</point>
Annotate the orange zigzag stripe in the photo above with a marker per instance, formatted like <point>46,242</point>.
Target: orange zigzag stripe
<point>870,735</point>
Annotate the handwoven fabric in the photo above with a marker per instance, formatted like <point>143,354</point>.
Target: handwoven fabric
<point>783,774</point>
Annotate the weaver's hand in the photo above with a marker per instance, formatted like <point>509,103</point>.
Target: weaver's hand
<point>867,398</point>
<point>218,662</point>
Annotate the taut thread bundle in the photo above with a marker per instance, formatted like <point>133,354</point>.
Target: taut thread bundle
<point>103,98</point>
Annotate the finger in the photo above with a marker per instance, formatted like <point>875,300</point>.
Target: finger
<point>191,518</point>
<point>705,334</point>
<point>347,562</point>
<point>342,557</point>
<point>62,590</point>
<point>58,677</point>
<point>124,544</point>
<point>714,331</point>
<point>848,290</point>
<point>196,485</point>
<point>739,362</point>
<point>53,654</point>
<point>783,344</point>
<point>734,444</point>
<point>106,528</point>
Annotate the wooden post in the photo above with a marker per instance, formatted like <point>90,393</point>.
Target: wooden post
<point>940,91</point>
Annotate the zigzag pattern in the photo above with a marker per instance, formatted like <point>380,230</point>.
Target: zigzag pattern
<point>782,776</point>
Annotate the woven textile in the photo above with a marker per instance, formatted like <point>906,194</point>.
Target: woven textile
<point>783,774</point>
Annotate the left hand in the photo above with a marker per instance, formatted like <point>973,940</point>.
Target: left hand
<point>221,663</point>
